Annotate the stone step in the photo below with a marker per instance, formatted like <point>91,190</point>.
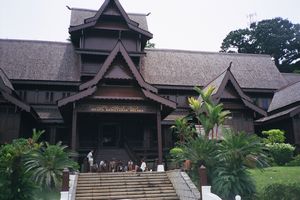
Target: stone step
<point>131,196</point>
<point>105,188</point>
<point>138,175</point>
<point>124,193</point>
<point>121,174</point>
<point>144,183</point>
<point>122,189</point>
<point>121,185</point>
<point>117,179</point>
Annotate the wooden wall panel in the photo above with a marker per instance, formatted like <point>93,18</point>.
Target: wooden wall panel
<point>9,124</point>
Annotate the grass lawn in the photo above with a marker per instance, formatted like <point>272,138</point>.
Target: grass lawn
<point>47,195</point>
<point>272,175</point>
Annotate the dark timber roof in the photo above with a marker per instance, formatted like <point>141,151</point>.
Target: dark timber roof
<point>285,96</point>
<point>280,115</point>
<point>56,61</point>
<point>220,82</point>
<point>190,68</point>
<point>111,8</point>
<point>9,93</point>
<point>291,77</point>
<point>106,65</point>
<point>78,15</point>
<point>89,87</point>
<point>39,60</point>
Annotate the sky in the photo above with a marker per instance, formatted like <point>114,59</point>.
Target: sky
<point>175,24</point>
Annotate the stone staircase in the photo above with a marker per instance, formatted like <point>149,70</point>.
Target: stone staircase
<point>125,185</point>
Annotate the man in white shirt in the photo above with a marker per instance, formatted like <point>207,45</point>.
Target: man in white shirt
<point>90,159</point>
<point>143,166</point>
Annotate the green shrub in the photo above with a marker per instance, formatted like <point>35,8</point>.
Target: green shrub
<point>274,136</point>
<point>229,182</point>
<point>295,161</point>
<point>236,152</point>
<point>279,191</point>
<point>282,153</point>
<point>177,155</point>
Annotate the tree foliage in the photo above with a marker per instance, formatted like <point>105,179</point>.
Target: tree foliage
<point>277,37</point>
<point>16,173</point>
<point>274,136</point>
<point>47,163</point>
<point>208,114</point>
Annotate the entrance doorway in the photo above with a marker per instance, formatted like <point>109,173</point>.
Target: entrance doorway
<point>109,135</point>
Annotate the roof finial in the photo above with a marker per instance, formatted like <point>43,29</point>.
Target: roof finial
<point>229,68</point>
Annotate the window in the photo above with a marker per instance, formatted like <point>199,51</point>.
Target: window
<point>49,97</point>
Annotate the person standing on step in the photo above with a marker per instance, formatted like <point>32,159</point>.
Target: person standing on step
<point>143,165</point>
<point>90,159</point>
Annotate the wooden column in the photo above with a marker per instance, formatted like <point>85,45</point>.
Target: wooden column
<point>147,137</point>
<point>74,129</point>
<point>159,138</point>
<point>52,135</point>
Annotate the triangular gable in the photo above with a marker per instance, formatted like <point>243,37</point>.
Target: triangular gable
<point>220,84</point>
<point>90,87</point>
<point>112,7</point>
<point>90,91</point>
<point>118,72</point>
<point>8,92</point>
<point>119,48</point>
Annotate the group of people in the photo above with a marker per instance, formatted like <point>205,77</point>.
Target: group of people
<point>114,165</point>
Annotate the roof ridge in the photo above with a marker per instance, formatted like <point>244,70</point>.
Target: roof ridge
<point>91,10</point>
<point>286,86</point>
<point>35,41</point>
<point>207,52</point>
<point>287,73</point>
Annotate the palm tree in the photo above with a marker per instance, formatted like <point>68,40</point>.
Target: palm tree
<point>208,114</point>
<point>47,163</point>
<point>235,153</point>
<point>183,129</point>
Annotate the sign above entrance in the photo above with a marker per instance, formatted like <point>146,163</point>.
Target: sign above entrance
<point>115,108</point>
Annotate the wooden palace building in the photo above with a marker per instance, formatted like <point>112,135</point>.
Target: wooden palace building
<point>104,90</point>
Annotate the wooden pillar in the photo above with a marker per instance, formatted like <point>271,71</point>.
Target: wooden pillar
<point>52,135</point>
<point>147,137</point>
<point>159,137</point>
<point>65,180</point>
<point>74,129</point>
<point>202,178</point>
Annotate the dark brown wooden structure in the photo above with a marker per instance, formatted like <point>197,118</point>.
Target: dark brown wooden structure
<point>104,90</point>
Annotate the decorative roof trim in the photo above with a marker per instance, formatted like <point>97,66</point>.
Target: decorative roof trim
<point>279,115</point>
<point>118,48</point>
<point>159,99</point>
<point>89,22</point>
<point>245,99</point>
<point>255,107</point>
<point>9,93</point>
<point>77,96</point>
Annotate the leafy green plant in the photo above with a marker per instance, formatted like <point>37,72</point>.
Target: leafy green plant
<point>200,149</point>
<point>229,182</point>
<point>274,136</point>
<point>282,153</point>
<point>295,161</point>
<point>235,153</point>
<point>279,191</point>
<point>177,154</point>
<point>14,182</point>
<point>47,163</point>
<point>208,114</point>
<point>183,129</point>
